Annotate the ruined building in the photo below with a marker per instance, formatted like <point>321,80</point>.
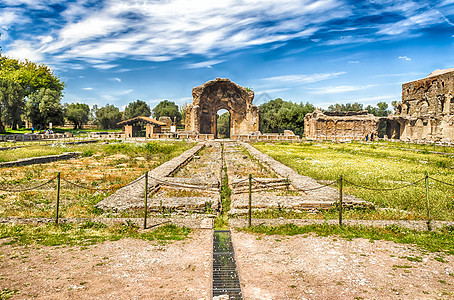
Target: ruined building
<point>427,109</point>
<point>221,93</point>
<point>340,125</point>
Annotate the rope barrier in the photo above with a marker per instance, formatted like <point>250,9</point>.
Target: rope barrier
<point>319,187</point>
<point>390,189</point>
<point>28,189</point>
<point>97,189</point>
<point>437,180</point>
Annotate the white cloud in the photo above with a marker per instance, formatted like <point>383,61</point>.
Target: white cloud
<point>353,61</point>
<point>163,30</point>
<point>87,88</point>
<point>25,50</point>
<point>302,79</point>
<point>204,64</point>
<point>105,66</point>
<point>339,89</point>
<point>405,58</point>
<point>116,79</point>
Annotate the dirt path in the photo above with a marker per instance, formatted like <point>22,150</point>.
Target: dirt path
<point>310,267</point>
<point>124,269</point>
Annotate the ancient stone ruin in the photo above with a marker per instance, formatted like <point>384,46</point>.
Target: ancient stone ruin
<point>427,109</point>
<point>340,125</point>
<point>221,93</point>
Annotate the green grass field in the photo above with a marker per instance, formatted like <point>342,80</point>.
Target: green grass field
<point>378,165</point>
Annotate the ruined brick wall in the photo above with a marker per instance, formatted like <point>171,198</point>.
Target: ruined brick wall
<point>427,109</point>
<point>221,93</point>
<point>339,125</point>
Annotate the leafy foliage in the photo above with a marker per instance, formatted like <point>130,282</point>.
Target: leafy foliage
<point>346,107</point>
<point>44,107</point>
<point>223,125</point>
<point>108,116</point>
<point>12,103</point>
<point>279,115</point>
<point>77,113</point>
<point>167,108</point>
<point>136,109</point>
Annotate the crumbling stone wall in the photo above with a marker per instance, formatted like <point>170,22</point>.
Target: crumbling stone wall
<point>335,125</point>
<point>427,109</point>
<point>221,93</point>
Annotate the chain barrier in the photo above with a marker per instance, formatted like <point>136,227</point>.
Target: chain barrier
<point>385,189</point>
<point>28,189</point>
<point>104,189</point>
<point>319,187</point>
<point>437,180</point>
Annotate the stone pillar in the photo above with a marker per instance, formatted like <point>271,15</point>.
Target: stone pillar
<point>149,131</point>
<point>128,130</point>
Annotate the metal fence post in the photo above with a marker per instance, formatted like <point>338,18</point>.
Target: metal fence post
<point>341,181</point>
<point>429,227</point>
<point>146,198</point>
<point>58,197</point>
<point>250,201</point>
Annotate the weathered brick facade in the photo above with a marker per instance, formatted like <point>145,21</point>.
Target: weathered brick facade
<point>427,109</point>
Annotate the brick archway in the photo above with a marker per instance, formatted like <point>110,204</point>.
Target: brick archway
<point>221,93</point>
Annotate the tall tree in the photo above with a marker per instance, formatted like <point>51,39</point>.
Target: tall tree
<point>44,107</point>
<point>25,79</point>
<point>167,108</point>
<point>278,115</point>
<point>136,109</point>
<point>108,116</point>
<point>381,110</point>
<point>11,104</point>
<point>77,113</point>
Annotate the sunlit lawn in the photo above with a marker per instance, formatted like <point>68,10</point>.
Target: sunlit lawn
<point>377,165</point>
<point>100,166</point>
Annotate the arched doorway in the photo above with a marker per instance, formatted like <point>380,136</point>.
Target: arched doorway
<point>221,93</point>
<point>223,124</point>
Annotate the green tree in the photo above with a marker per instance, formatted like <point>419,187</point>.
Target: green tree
<point>12,104</point>
<point>77,113</point>
<point>25,79</point>
<point>44,107</point>
<point>346,107</point>
<point>279,115</point>
<point>223,125</point>
<point>167,108</point>
<point>136,109</point>
<point>108,116</point>
<point>381,110</point>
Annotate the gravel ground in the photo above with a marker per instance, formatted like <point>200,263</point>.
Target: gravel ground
<point>311,267</point>
<point>124,269</point>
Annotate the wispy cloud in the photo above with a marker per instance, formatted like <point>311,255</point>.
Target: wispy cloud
<point>116,79</point>
<point>302,78</point>
<point>405,58</point>
<point>87,88</point>
<point>340,89</point>
<point>204,64</point>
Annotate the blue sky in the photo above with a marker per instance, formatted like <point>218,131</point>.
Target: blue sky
<point>322,52</point>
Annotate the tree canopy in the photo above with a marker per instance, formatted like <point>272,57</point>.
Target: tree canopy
<point>77,113</point>
<point>136,109</point>
<point>20,80</point>
<point>279,115</point>
<point>346,107</point>
<point>44,107</point>
<point>167,108</point>
<point>108,116</point>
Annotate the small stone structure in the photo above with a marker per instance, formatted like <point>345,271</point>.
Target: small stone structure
<point>152,126</point>
<point>427,109</point>
<point>340,125</point>
<point>221,93</point>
